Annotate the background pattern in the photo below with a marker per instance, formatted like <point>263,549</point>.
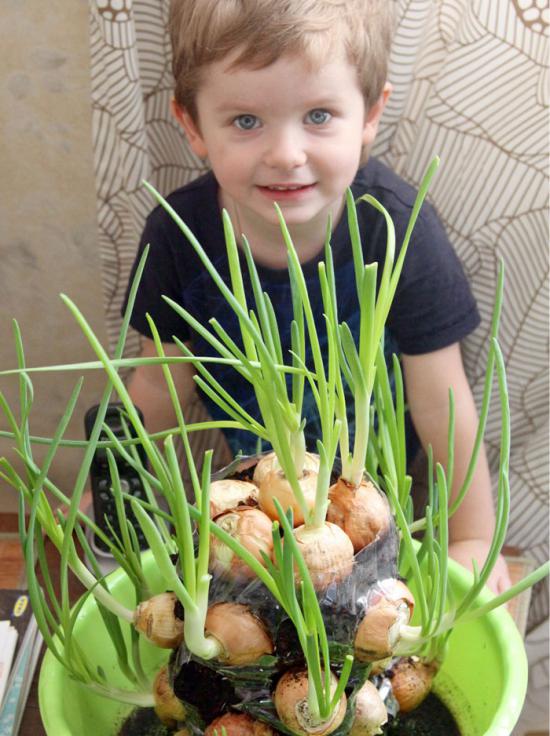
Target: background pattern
<point>471,81</point>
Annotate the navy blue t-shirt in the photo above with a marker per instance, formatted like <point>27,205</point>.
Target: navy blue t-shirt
<point>433,305</point>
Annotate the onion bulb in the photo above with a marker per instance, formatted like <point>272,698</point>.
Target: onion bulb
<point>156,619</point>
<point>229,493</point>
<point>291,702</point>
<point>361,511</point>
<point>168,706</point>
<point>327,553</point>
<point>370,712</point>
<point>269,462</point>
<point>390,606</point>
<point>243,637</point>
<point>251,528</point>
<point>411,681</point>
<point>238,724</point>
<point>275,485</point>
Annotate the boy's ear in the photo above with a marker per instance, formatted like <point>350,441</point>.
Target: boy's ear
<point>373,116</point>
<point>190,128</point>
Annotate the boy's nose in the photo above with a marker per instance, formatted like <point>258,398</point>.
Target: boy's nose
<point>285,151</point>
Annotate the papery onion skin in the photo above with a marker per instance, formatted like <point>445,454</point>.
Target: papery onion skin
<point>269,462</point>
<point>155,618</point>
<point>327,553</point>
<point>242,635</point>
<point>392,589</point>
<point>229,493</point>
<point>390,605</point>
<point>373,637</point>
<point>276,485</point>
<point>238,724</point>
<point>168,706</point>
<point>249,526</point>
<point>370,712</point>
<point>411,681</point>
<point>290,700</point>
<point>361,511</point>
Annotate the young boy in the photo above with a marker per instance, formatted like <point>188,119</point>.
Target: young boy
<point>284,99</point>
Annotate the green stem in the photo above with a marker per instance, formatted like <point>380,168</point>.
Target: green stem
<point>142,700</point>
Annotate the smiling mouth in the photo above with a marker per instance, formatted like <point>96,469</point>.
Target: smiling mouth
<point>286,187</point>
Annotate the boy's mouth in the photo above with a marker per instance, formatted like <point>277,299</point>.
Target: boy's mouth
<point>287,187</point>
<point>287,190</point>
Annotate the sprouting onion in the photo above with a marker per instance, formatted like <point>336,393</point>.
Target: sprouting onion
<point>356,504</point>
<point>184,530</point>
<point>280,412</point>
<point>324,694</point>
<point>56,620</point>
<point>192,588</point>
<point>257,360</point>
<point>426,563</point>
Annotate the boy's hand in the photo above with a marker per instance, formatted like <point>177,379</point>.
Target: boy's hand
<point>467,550</point>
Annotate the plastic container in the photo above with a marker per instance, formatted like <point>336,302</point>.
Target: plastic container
<point>483,680</point>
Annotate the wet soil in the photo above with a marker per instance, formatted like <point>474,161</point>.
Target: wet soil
<point>143,722</point>
<point>431,718</point>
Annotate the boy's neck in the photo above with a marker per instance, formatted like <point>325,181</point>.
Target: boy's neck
<point>266,239</point>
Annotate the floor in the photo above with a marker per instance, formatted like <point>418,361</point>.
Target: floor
<point>12,565</point>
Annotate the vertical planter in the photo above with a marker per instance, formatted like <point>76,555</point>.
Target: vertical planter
<point>483,680</point>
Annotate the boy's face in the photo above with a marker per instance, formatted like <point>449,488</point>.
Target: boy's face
<point>287,134</point>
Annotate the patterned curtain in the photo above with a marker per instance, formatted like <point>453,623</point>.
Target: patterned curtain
<point>470,84</point>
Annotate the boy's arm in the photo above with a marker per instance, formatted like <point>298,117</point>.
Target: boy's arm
<point>428,378</point>
<point>148,391</point>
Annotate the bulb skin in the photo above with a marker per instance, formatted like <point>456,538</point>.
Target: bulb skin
<point>362,511</point>
<point>249,526</point>
<point>290,699</point>
<point>168,707</point>
<point>275,485</point>
<point>242,635</point>
<point>238,724</point>
<point>411,681</point>
<point>390,605</point>
<point>230,493</point>
<point>327,553</point>
<point>269,462</point>
<point>370,712</point>
<point>156,620</point>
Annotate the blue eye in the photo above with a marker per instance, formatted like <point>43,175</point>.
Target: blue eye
<point>318,117</point>
<point>246,122</point>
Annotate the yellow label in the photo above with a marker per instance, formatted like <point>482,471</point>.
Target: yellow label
<point>20,605</point>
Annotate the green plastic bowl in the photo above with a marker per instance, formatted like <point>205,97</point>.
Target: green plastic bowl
<point>483,680</point>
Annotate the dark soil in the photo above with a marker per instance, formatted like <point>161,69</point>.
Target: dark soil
<point>194,680</point>
<point>143,722</point>
<point>431,718</point>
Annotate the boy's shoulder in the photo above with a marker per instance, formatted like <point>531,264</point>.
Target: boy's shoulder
<point>397,197</point>
<point>196,203</point>
<point>378,180</point>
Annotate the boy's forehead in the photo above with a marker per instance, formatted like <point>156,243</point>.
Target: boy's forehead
<point>290,73</point>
